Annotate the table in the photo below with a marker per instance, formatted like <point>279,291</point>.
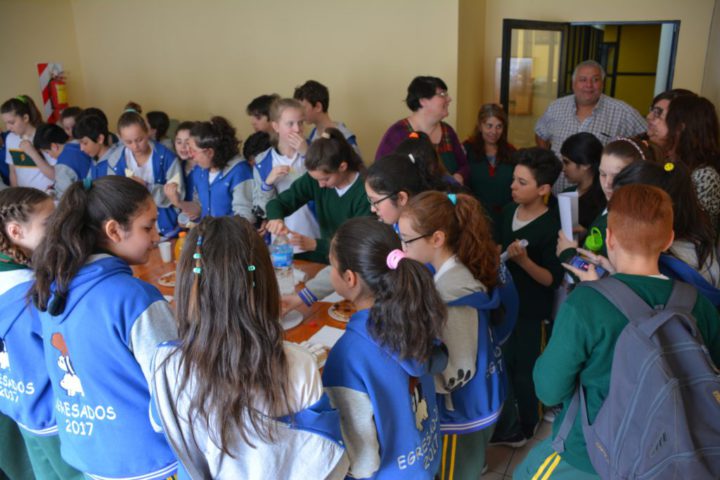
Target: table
<point>314,317</point>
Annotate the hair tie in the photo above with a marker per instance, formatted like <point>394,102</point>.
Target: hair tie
<point>325,135</point>
<point>669,166</point>
<point>413,135</point>
<point>453,198</point>
<point>394,258</point>
<point>412,159</point>
<point>87,183</point>
<point>128,110</point>
<point>197,270</point>
<point>22,98</point>
<point>634,144</point>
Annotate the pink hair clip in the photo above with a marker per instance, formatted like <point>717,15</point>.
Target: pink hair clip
<point>394,258</point>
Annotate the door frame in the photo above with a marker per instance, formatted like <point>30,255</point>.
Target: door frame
<point>508,25</point>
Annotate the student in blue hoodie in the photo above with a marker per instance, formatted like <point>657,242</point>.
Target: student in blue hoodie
<point>25,392</point>
<point>148,163</point>
<point>379,374</point>
<point>451,233</point>
<point>72,163</point>
<point>222,182</point>
<point>235,400</point>
<point>100,327</point>
<point>91,131</point>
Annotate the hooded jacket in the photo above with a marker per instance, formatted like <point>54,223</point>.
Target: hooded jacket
<point>98,351</point>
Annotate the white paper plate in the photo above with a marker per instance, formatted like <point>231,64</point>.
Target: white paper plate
<point>291,319</point>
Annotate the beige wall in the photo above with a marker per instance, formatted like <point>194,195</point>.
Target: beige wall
<point>711,80</point>
<point>471,53</point>
<point>195,59</point>
<point>695,17</point>
<point>32,32</point>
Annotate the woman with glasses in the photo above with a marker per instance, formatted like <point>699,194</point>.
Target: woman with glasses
<point>657,129</point>
<point>428,100</point>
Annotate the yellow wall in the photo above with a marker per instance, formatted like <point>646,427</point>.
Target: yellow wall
<point>195,59</point>
<point>695,17</point>
<point>32,32</point>
<point>711,80</point>
<point>471,46</point>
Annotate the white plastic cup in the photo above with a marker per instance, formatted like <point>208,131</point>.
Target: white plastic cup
<point>165,251</point>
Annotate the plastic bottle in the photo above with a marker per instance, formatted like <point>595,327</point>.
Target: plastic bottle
<point>281,253</point>
<point>179,245</point>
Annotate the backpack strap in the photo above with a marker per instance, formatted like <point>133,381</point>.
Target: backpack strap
<point>558,442</point>
<point>622,297</point>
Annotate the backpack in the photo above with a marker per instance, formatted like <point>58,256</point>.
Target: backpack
<point>661,417</point>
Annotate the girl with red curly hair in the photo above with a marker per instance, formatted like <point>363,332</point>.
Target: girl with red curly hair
<point>451,232</point>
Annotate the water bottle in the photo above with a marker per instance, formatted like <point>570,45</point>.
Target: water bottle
<point>281,253</point>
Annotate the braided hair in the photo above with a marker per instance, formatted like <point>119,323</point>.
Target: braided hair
<point>17,204</point>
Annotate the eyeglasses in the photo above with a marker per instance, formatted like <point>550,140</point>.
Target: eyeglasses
<point>380,200</point>
<point>656,112</point>
<point>405,243</point>
<point>443,94</point>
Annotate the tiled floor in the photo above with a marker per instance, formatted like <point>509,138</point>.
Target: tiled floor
<point>502,460</point>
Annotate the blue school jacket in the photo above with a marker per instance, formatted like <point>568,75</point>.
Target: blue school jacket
<point>216,198</point>
<point>391,400</point>
<point>165,164</point>
<point>75,159</point>
<point>478,403</point>
<point>102,398</point>
<point>25,392</point>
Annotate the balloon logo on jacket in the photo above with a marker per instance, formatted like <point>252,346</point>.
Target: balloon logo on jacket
<point>70,381</point>
<point>419,405</point>
<point>4,357</point>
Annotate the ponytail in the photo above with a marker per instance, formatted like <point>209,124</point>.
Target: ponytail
<point>329,151</point>
<point>219,135</point>
<point>467,230</point>
<point>408,313</point>
<point>23,105</point>
<point>17,204</point>
<point>75,232</point>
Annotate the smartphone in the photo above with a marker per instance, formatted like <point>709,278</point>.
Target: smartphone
<point>583,264</point>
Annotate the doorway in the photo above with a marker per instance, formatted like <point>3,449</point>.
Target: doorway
<point>538,59</point>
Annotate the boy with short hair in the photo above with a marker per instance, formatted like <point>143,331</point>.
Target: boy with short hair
<point>259,112</point>
<point>315,99</point>
<point>72,163</point>
<point>537,272</point>
<point>587,326</point>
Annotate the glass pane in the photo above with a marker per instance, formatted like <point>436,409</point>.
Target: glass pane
<point>534,70</point>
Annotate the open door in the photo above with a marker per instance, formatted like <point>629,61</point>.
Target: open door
<point>533,57</point>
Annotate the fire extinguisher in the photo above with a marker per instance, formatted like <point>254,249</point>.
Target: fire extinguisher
<point>58,95</point>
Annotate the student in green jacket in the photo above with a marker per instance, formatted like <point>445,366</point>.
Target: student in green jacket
<point>334,182</point>
<point>537,272</point>
<point>581,349</point>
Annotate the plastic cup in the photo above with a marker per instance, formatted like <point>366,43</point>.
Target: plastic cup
<point>165,251</point>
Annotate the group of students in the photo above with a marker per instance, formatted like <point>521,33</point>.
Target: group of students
<point>444,354</point>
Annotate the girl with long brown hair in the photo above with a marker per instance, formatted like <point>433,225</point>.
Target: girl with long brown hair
<point>379,374</point>
<point>235,400</point>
